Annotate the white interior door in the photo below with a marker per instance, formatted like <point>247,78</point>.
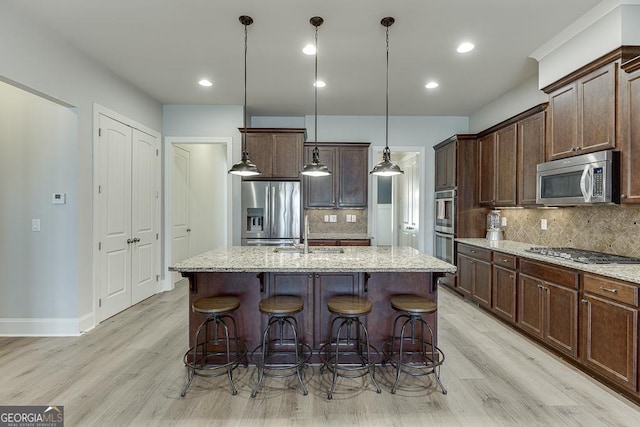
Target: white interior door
<point>180,188</point>
<point>144,203</point>
<point>114,204</point>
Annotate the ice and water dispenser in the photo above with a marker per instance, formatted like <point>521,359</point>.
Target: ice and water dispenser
<point>255,219</point>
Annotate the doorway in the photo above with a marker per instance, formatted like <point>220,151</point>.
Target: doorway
<point>197,202</point>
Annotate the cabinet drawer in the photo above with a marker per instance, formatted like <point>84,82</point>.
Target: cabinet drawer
<point>475,252</point>
<point>558,275</point>
<point>612,289</point>
<point>504,260</point>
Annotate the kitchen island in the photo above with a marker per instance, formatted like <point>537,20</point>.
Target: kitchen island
<point>254,273</point>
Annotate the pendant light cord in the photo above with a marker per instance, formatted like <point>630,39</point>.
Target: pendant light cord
<point>315,94</point>
<point>244,107</point>
<point>386,136</point>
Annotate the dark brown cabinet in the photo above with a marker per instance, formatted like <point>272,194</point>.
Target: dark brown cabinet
<point>347,186</point>
<point>504,286</point>
<point>548,305</point>
<point>582,114</point>
<point>474,273</point>
<point>276,152</point>
<point>445,166</point>
<point>610,329</point>
<point>630,131</point>
<point>531,145</point>
<point>295,284</point>
<point>497,171</point>
<point>327,285</point>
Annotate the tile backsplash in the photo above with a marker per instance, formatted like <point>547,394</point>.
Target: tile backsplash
<point>613,229</point>
<point>341,226</point>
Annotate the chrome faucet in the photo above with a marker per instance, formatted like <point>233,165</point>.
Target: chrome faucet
<point>306,234</point>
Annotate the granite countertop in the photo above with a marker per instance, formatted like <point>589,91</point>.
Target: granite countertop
<point>240,259</point>
<point>626,272</point>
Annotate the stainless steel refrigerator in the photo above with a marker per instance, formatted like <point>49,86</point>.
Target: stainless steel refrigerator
<point>271,213</point>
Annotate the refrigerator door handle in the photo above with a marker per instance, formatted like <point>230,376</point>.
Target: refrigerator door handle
<point>267,210</point>
<point>272,208</point>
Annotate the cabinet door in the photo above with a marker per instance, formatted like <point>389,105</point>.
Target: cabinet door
<point>561,318</point>
<point>610,340</point>
<point>505,166</point>
<point>287,155</point>
<point>465,274</point>
<point>482,283</point>
<point>530,304</point>
<point>597,110</point>
<point>504,293</point>
<point>260,149</point>
<point>353,178</point>
<point>300,285</point>
<point>320,191</point>
<point>630,126</point>
<point>486,171</point>
<point>563,122</point>
<point>531,139</point>
<point>445,165</point>
<point>327,285</point>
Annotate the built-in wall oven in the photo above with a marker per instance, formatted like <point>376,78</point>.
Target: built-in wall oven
<point>445,214</point>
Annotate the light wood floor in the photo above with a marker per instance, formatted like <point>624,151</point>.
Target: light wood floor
<point>128,372</point>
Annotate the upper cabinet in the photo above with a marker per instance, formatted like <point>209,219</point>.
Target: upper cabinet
<point>582,114</point>
<point>347,186</point>
<point>507,158</point>
<point>277,152</point>
<point>445,164</point>
<point>630,131</point>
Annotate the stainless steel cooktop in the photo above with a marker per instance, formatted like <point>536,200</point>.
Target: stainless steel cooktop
<point>583,256</point>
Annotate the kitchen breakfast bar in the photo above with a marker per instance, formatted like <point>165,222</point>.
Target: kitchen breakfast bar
<point>255,273</point>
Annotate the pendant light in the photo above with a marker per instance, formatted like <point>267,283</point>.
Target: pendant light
<point>245,167</point>
<point>386,167</point>
<point>315,168</point>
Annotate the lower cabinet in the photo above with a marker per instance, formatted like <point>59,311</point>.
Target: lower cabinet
<point>548,305</point>
<point>474,274</point>
<point>504,284</point>
<point>610,330</point>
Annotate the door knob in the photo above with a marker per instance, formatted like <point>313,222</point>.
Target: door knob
<point>129,241</point>
<point>188,230</point>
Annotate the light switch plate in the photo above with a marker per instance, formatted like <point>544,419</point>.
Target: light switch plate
<point>504,221</point>
<point>333,218</point>
<point>543,224</point>
<point>326,218</point>
<point>35,224</point>
<point>59,198</point>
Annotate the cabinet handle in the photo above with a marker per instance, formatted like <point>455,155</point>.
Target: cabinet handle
<point>504,260</point>
<point>623,196</point>
<point>613,291</point>
<point>310,276</point>
<point>540,287</point>
<point>584,301</point>
<point>317,275</point>
<point>511,276</point>
<point>472,251</point>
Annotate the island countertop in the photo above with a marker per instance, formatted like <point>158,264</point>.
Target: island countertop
<point>248,259</point>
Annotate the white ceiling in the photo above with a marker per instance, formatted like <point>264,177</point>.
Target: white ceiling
<point>165,46</point>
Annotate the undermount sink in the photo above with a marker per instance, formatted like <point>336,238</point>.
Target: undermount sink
<point>315,250</point>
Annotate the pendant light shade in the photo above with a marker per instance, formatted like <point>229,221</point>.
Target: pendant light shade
<point>316,168</point>
<point>386,167</point>
<point>245,167</point>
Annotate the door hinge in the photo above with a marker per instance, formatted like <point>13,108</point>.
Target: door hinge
<point>99,246</point>
<point>100,302</point>
<point>157,277</point>
<point>157,152</point>
<point>99,131</point>
<point>99,189</point>
<point>157,236</point>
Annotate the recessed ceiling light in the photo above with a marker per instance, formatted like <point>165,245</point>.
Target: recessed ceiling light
<point>205,83</point>
<point>309,49</point>
<point>465,47</point>
<point>319,83</point>
<point>432,85</point>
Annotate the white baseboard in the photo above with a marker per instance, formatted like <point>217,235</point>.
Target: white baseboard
<point>39,327</point>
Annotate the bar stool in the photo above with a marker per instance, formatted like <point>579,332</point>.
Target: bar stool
<point>348,310</point>
<point>220,351</point>
<point>293,354</point>
<point>423,357</point>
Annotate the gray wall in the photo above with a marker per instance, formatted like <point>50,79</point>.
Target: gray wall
<point>36,59</point>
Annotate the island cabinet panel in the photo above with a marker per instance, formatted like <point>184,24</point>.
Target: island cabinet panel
<point>379,288</point>
<point>248,287</point>
<point>327,285</point>
<point>610,329</point>
<point>295,284</point>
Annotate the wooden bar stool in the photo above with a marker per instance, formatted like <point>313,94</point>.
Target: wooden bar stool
<point>422,357</point>
<point>338,355</point>
<point>281,356</point>
<point>219,351</point>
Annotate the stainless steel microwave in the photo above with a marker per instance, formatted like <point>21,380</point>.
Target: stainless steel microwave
<point>588,179</point>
